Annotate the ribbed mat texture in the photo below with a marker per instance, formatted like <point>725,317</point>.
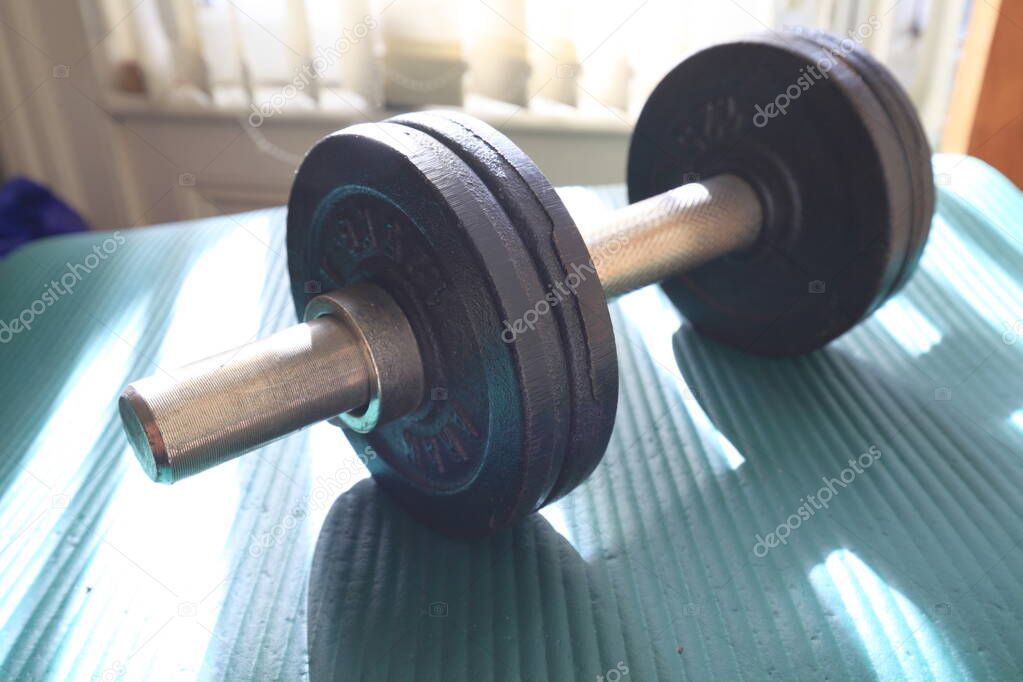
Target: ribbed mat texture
<point>853,514</point>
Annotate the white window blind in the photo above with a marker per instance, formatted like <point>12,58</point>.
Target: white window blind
<point>599,57</point>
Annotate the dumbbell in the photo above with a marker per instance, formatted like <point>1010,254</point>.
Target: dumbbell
<point>781,187</point>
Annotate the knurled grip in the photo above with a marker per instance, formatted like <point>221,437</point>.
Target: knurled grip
<point>672,232</point>
<point>221,407</point>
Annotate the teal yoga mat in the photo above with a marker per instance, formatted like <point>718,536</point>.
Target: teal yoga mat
<point>694,552</point>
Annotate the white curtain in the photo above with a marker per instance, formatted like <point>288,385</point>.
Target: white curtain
<point>551,56</point>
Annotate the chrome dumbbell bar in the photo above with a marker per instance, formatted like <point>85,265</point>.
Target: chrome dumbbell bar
<point>355,357</point>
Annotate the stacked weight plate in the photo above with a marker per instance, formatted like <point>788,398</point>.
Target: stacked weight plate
<point>835,150</point>
<point>464,232</point>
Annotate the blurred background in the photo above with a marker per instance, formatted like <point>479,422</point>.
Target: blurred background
<point>138,112</point>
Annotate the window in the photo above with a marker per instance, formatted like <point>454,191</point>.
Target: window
<point>557,59</point>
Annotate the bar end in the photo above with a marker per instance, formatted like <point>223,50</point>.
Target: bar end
<point>144,436</point>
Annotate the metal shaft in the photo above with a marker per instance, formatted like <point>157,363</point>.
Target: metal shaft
<point>672,232</point>
<point>361,357</point>
<point>213,410</point>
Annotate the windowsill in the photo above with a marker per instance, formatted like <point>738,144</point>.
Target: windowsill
<point>238,172</point>
<point>543,117</point>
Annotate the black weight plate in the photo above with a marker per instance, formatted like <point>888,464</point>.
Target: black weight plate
<point>892,145</point>
<point>564,263</point>
<point>901,111</point>
<point>389,205</point>
<point>829,171</point>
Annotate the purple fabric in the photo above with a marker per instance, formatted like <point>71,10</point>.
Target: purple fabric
<point>29,211</point>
